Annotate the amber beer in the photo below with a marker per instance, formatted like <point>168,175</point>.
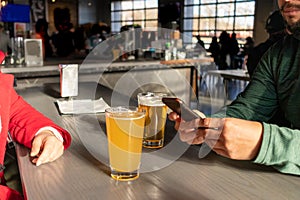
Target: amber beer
<point>155,120</point>
<point>125,129</point>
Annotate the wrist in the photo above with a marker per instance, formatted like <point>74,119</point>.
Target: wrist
<point>52,131</point>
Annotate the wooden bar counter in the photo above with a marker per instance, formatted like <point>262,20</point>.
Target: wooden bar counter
<point>79,175</point>
<point>108,73</point>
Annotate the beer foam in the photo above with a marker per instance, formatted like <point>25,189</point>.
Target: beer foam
<point>127,116</point>
<point>160,104</point>
<point>151,99</point>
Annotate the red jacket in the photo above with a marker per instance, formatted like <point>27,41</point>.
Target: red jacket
<point>22,121</point>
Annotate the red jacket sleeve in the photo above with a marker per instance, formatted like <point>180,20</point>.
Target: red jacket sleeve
<point>25,121</point>
<point>7,193</point>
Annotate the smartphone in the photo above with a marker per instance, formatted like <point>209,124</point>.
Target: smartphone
<point>178,106</point>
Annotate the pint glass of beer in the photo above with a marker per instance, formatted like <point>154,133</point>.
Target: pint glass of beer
<point>125,128</point>
<point>155,120</point>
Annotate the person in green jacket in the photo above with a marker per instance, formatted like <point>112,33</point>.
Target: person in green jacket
<point>247,129</point>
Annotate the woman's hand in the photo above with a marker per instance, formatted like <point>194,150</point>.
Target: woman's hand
<point>46,147</point>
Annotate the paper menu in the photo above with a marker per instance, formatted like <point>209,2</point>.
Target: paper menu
<point>85,106</point>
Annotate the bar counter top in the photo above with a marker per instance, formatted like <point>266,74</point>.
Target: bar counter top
<point>80,174</point>
<point>51,68</point>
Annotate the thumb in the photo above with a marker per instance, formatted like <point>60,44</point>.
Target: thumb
<point>201,114</point>
<point>36,146</point>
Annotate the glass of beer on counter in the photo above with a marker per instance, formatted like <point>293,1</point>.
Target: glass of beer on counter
<point>125,128</point>
<point>155,120</point>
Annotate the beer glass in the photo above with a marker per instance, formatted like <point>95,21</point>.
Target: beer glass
<point>155,120</point>
<point>124,127</point>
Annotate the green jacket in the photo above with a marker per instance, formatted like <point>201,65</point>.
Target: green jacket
<point>273,98</point>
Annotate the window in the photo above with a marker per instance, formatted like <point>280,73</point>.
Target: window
<point>130,12</point>
<point>209,18</point>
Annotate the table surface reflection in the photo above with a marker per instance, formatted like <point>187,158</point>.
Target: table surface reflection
<point>78,174</point>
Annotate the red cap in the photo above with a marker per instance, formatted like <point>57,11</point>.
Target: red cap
<point>2,56</point>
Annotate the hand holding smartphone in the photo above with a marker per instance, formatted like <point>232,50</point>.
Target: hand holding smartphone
<point>178,106</point>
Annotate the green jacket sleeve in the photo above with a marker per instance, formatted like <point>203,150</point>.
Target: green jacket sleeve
<point>280,149</point>
<point>259,102</point>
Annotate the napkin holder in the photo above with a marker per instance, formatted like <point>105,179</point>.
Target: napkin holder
<point>68,80</point>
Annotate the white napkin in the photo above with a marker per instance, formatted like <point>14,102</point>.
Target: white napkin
<point>84,106</point>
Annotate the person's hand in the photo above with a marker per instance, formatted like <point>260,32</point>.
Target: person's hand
<point>46,147</point>
<point>235,138</point>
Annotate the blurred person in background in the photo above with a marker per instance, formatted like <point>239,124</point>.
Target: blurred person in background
<point>248,46</point>
<point>5,42</point>
<point>63,39</point>
<point>224,59</point>
<point>41,32</point>
<point>214,49</point>
<point>275,27</point>
<point>199,41</point>
<point>234,50</point>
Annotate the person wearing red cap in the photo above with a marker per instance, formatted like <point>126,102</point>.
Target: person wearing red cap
<point>29,127</point>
